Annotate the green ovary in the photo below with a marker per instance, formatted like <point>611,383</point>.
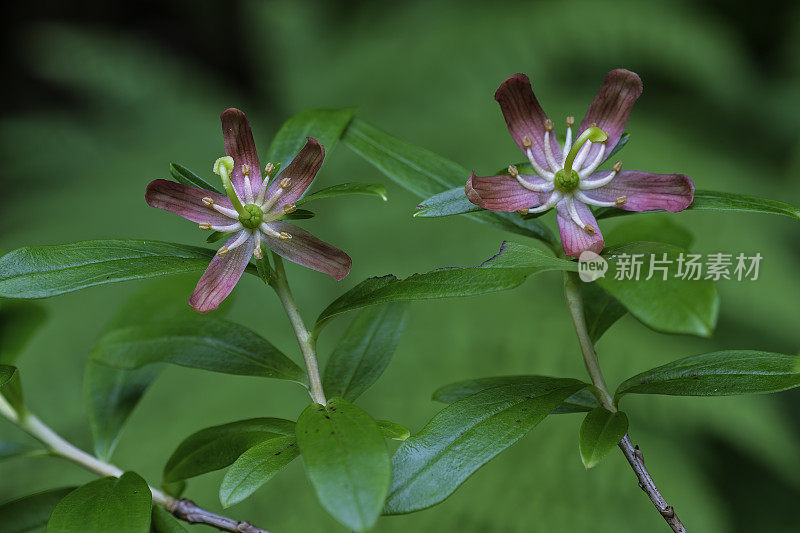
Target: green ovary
<point>565,184</point>
<point>251,217</point>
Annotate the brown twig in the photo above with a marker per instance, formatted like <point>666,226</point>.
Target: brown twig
<point>187,511</point>
<point>646,483</point>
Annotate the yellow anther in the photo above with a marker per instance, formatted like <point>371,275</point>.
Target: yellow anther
<point>589,229</point>
<point>285,182</point>
<point>205,225</point>
<point>621,200</point>
<point>268,168</point>
<point>284,236</point>
<point>527,142</point>
<point>617,166</point>
<point>208,201</point>
<point>522,212</point>
<point>548,125</point>
<point>570,121</point>
<point>246,169</point>
<point>513,170</point>
<point>257,252</point>
<point>289,208</point>
<point>222,251</point>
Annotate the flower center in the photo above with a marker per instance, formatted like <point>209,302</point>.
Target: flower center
<point>251,216</point>
<point>567,184</point>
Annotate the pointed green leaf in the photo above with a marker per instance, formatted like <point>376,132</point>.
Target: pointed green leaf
<point>364,351</point>
<point>580,402</point>
<point>325,125</point>
<point>344,189</point>
<point>346,460</point>
<point>623,140</point>
<point>718,374</point>
<point>216,236</point>
<point>300,214</point>
<point>216,447</point>
<point>163,522</point>
<point>199,342</point>
<point>181,174</point>
<point>425,174</point>
<point>255,467</point>
<point>121,505</point>
<point>600,309</point>
<point>464,436</point>
<point>10,387</point>
<point>18,322</point>
<point>600,432</point>
<point>31,513</point>
<point>447,203</point>
<point>393,430</point>
<point>507,269</point>
<point>42,271</point>
<point>671,305</point>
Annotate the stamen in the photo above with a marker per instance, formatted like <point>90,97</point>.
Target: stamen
<point>584,151</point>
<point>289,209</point>
<point>553,200</point>
<point>589,135</point>
<point>527,142</point>
<point>591,201</point>
<point>621,200</point>
<point>522,212</point>
<point>513,171</point>
<point>586,172</point>
<point>208,201</point>
<point>285,182</point>
<point>229,228</point>
<point>548,150</point>
<point>245,169</point>
<point>225,211</point>
<point>587,185</point>
<point>568,141</point>
<point>266,230</point>
<point>223,250</point>
<point>284,236</point>
<point>248,189</point>
<point>268,168</point>
<point>573,213</point>
<point>546,174</point>
<point>241,239</point>
<point>257,253</point>
<point>205,226</point>
<point>535,187</point>
<point>588,228</point>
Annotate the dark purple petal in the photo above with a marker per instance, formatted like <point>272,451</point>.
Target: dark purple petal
<point>239,144</point>
<point>305,249</point>
<point>611,108</point>
<point>645,191</point>
<point>576,239</point>
<point>187,202</point>
<point>503,192</point>
<point>525,117</point>
<point>301,172</point>
<point>221,276</point>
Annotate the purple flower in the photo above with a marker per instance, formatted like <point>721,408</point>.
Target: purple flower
<point>252,211</point>
<point>567,178</point>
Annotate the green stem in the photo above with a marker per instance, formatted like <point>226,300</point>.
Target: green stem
<point>304,338</point>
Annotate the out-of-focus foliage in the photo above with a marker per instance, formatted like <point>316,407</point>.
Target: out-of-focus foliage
<point>106,106</point>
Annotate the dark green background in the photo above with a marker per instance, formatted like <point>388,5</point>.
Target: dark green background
<point>98,99</point>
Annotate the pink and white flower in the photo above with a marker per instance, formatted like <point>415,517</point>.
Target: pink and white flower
<point>252,211</point>
<point>566,177</point>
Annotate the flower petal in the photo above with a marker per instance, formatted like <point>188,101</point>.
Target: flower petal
<point>525,117</point>
<point>611,108</point>
<point>504,192</point>
<point>645,191</point>
<point>186,201</point>
<point>574,238</point>
<point>239,144</point>
<point>221,276</point>
<point>305,249</point>
<point>301,171</point>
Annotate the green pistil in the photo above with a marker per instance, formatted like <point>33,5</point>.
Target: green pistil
<point>251,216</point>
<point>592,133</point>
<point>565,184</point>
<point>223,167</point>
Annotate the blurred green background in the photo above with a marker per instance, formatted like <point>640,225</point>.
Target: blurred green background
<point>100,97</point>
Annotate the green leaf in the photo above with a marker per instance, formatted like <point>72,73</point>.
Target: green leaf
<point>724,201</point>
<point>18,322</point>
<point>652,228</point>
<point>31,513</point>
<point>393,430</point>
<point>163,522</point>
<point>300,214</point>
<point>465,435</point>
<point>121,505</point>
<point>600,309</point>
<point>42,271</point>
<point>718,374</point>
<point>344,189</point>
<point>255,467</point>
<point>447,203</point>
<point>216,447</point>
<point>600,432</point>
<point>364,351</point>
<point>425,174</point>
<point>346,460</point>
<point>507,269</point>
<point>216,236</point>
<point>13,450</point>
<point>623,140</point>
<point>673,305</point>
<point>580,402</point>
<point>325,125</point>
<point>199,342</point>
<point>181,174</point>
<point>10,387</point>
